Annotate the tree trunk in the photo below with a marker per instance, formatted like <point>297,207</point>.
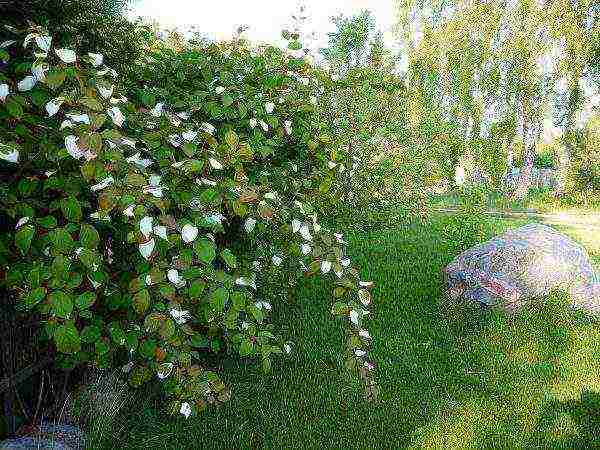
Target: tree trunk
<point>564,162</point>
<point>506,143</point>
<point>565,159</point>
<point>524,182</point>
<point>531,134</point>
<point>509,156</point>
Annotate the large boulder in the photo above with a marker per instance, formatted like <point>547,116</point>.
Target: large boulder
<point>47,436</point>
<point>524,264</point>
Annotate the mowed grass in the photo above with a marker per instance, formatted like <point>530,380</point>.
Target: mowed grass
<point>473,380</point>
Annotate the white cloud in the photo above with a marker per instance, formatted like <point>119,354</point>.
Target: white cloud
<point>266,18</point>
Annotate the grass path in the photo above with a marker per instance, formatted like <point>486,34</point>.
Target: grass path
<point>566,217</point>
<point>475,381</point>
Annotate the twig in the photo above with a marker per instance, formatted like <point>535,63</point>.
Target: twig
<point>23,407</point>
<point>39,402</point>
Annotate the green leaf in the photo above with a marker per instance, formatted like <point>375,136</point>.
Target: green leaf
<point>88,170</point>
<point>34,297</point>
<point>153,321</point>
<point>47,222</point>
<point>135,179</point>
<point>196,289</point>
<point>61,304</point>
<point>227,100</point>
<point>91,103</point>
<point>218,299</point>
<point>139,375</point>
<point>167,291</point>
<point>242,110</point>
<point>97,120</point>
<point>60,268</point>
<point>27,187</point>
<point>167,329</point>
<point>90,259</point>
<point>88,236</point>
<point>55,78</point>
<point>141,301</point>
<point>147,348</point>
<point>23,238</point>
<point>147,98</point>
<point>34,276</point>
<point>246,348</point>
<point>101,348</point>
<point>39,98</point>
<point>339,308</point>
<point>90,333</point>
<point>67,338</point>
<point>71,209</point>
<point>238,299</point>
<point>295,45</point>
<point>350,363</point>
<point>205,250</point>
<point>325,186</point>
<point>74,280</point>
<point>189,148</point>
<point>131,340</point>
<point>85,300</point>
<point>339,292</point>
<point>200,341</point>
<point>111,135</point>
<point>266,365</point>
<point>229,258</point>
<point>232,139</point>
<point>257,313</point>
<point>117,334</point>
<point>193,166</point>
<point>208,196</point>
<point>14,108</point>
<point>62,240</point>
<point>95,142</point>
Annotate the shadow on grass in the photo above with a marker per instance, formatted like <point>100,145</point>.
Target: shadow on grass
<point>571,424</point>
<point>481,380</point>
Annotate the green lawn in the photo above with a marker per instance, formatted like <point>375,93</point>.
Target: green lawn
<point>475,380</point>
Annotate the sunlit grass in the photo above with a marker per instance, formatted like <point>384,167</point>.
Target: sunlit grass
<point>473,379</point>
<point>540,201</point>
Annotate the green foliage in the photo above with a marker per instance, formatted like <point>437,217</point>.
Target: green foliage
<point>365,107</point>
<point>466,228</point>
<point>146,230</point>
<point>84,25</point>
<point>584,174</point>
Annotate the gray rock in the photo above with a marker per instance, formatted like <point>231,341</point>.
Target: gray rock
<point>48,436</point>
<point>29,443</point>
<point>524,264</point>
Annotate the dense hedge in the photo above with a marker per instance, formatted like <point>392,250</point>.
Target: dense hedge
<point>144,227</point>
